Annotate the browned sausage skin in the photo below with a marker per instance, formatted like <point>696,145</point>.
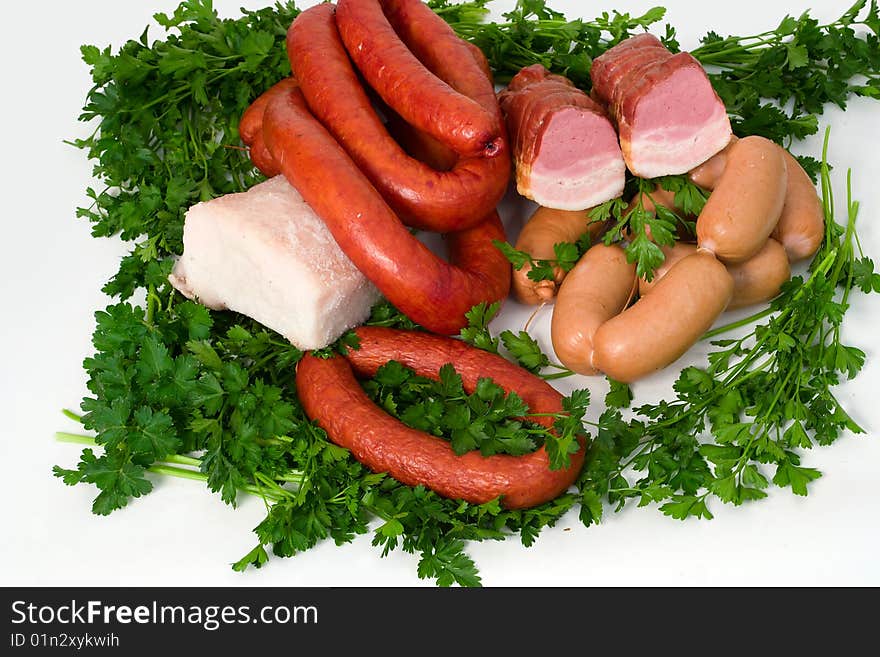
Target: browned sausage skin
<point>251,124</point>
<point>756,280</point>
<point>331,396</point>
<point>662,326</point>
<point>429,291</point>
<point>545,228</point>
<point>599,287</point>
<point>250,128</point>
<point>443,53</point>
<point>423,197</point>
<point>801,226</point>
<point>409,88</point>
<point>746,204</point>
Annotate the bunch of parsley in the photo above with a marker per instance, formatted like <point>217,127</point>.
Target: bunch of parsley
<point>178,390</point>
<point>631,224</point>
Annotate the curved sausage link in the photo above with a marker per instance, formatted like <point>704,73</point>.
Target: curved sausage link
<point>443,53</point>
<point>801,226</point>
<point>758,279</point>
<point>409,88</point>
<point>746,204</point>
<point>660,327</point>
<point>544,229</point>
<point>331,395</point>
<point>428,290</point>
<point>599,287</point>
<point>423,197</point>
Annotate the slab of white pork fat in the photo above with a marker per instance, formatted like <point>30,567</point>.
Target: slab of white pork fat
<point>266,254</point>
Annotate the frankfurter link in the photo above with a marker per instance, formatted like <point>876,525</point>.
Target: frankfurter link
<point>410,89</point>
<point>423,197</point>
<point>662,326</point>
<point>746,204</point>
<point>429,291</point>
<point>759,278</point>
<point>331,396</point>
<point>599,287</point>
<point>544,229</point>
<point>756,280</point>
<point>707,174</point>
<point>671,255</point>
<point>801,226</point>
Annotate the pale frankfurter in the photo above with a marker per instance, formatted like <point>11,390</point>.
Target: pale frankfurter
<point>756,280</point>
<point>662,326</point>
<point>759,278</point>
<point>746,204</point>
<point>801,226</point>
<point>672,254</point>
<point>545,228</point>
<point>599,287</point>
<point>707,174</point>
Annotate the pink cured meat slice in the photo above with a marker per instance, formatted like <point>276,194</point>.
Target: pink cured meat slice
<point>668,117</point>
<point>564,146</point>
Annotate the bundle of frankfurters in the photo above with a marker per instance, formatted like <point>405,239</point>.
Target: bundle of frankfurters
<point>762,213</point>
<point>390,122</point>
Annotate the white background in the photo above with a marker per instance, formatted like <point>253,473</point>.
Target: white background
<point>52,272</point>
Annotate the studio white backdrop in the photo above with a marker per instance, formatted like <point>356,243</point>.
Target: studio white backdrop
<point>52,273</point>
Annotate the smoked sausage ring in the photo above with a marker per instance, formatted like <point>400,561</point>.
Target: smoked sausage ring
<point>331,396</point>
<point>440,201</point>
<point>410,89</point>
<point>428,290</point>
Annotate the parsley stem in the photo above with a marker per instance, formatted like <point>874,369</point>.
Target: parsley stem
<point>80,439</point>
<point>70,414</point>
<point>746,321</point>
<point>292,476</point>
<point>184,473</point>
<point>75,439</point>
<point>557,375</point>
